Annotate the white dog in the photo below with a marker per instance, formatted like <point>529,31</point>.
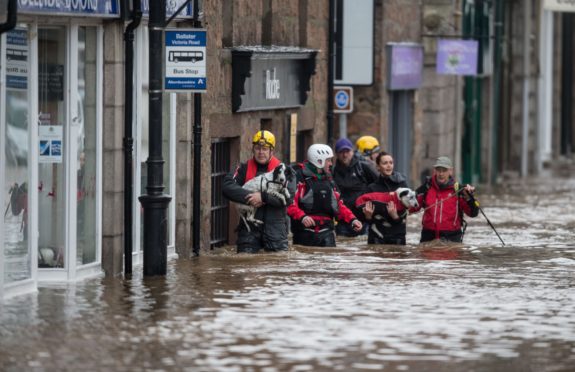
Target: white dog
<point>274,183</point>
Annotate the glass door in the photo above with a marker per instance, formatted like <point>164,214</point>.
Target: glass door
<point>52,130</point>
<point>70,64</point>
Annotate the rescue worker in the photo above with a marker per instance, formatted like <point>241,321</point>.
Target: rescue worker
<point>386,226</point>
<point>272,235</point>
<point>317,203</point>
<point>368,147</point>
<point>445,204</point>
<point>352,174</point>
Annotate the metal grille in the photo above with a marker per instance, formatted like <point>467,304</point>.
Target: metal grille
<point>220,205</point>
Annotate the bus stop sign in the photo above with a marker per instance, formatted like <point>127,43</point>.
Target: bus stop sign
<point>185,60</point>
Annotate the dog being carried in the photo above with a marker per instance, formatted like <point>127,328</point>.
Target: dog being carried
<point>273,183</point>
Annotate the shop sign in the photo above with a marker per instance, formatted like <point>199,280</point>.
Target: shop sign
<point>50,140</point>
<point>405,70</point>
<point>559,5</point>
<point>457,57</point>
<point>17,59</point>
<point>101,8</point>
<point>185,60</point>
<point>270,78</point>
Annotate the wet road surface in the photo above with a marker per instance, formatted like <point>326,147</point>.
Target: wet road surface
<point>479,306</point>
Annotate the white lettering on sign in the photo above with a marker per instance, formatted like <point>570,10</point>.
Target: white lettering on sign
<point>272,85</point>
<point>62,4</point>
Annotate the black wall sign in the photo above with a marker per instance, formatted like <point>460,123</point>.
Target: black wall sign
<point>267,78</point>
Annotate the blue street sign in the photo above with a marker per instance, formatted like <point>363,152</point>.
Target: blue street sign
<point>185,60</point>
<point>342,99</point>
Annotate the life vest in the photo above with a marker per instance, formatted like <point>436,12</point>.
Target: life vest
<point>319,199</point>
<point>253,167</point>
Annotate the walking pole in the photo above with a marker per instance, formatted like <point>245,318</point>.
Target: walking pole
<point>487,219</point>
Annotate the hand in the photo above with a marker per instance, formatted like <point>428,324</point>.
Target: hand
<point>255,199</point>
<point>392,210</point>
<point>356,225</point>
<point>308,221</point>
<point>368,210</point>
<point>468,191</point>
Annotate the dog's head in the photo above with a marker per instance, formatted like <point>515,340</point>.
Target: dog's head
<point>283,174</point>
<point>407,197</point>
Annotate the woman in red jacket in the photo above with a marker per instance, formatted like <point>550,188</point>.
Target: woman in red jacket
<point>444,204</point>
<point>316,202</point>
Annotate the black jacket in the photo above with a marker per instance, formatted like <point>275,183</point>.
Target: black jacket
<point>273,213</point>
<point>386,225</point>
<point>352,181</point>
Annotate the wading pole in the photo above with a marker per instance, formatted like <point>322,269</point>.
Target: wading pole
<point>487,219</point>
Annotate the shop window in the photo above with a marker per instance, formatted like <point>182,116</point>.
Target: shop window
<point>16,134</point>
<point>220,205</point>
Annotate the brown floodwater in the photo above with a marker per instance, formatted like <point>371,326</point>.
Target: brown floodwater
<point>480,306</point>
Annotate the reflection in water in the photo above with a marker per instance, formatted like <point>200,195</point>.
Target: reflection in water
<point>478,306</point>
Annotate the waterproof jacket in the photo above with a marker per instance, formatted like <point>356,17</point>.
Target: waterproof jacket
<point>382,223</point>
<point>323,213</point>
<point>352,181</point>
<point>272,213</point>
<point>444,207</point>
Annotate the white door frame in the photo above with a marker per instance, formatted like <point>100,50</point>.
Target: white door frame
<point>71,270</point>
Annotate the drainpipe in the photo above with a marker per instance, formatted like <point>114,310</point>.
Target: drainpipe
<point>526,76</point>
<point>496,92</point>
<point>330,72</point>
<point>11,17</point>
<point>197,154</point>
<point>136,16</point>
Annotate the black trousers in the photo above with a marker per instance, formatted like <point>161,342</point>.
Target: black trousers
<point>450,236</point>
<point>325,238</point>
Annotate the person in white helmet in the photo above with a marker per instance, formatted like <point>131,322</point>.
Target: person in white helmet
<point>317,203</point>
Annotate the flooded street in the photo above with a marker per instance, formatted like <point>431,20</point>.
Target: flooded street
<point>477,307</point>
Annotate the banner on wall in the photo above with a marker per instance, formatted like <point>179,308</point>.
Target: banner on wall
<point>50,141</point>
<point>405,67</point>
<point>457,57</point>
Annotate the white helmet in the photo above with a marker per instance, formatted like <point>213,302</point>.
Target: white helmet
<point>318,153</point>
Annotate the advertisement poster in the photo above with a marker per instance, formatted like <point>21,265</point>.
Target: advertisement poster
<point>50,140</point>
<point>457,57</point>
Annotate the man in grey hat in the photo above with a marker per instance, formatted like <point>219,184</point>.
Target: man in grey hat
<point>444,203</point>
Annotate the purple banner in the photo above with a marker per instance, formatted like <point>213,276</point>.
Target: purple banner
<point>406,66</point>
<point>457,57</point>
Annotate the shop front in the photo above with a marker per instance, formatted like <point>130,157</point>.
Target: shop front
<point>51,97</point>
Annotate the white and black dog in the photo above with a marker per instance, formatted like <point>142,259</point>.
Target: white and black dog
<point>403,198</point>
<point>273,183</point>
